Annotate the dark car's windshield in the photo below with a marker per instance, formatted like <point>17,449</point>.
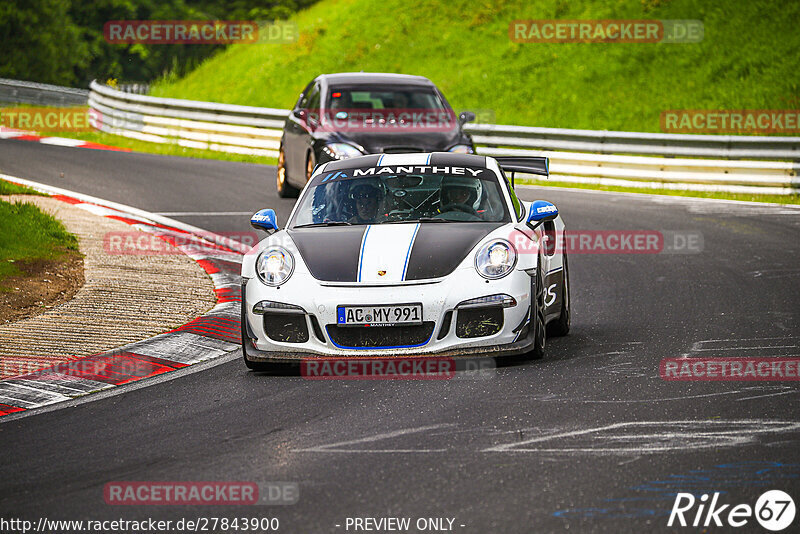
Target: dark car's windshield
<point>378,97</point>
<point>395,198</point>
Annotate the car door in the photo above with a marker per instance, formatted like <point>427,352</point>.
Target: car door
<point>293,142</point>
<point>311,124</point>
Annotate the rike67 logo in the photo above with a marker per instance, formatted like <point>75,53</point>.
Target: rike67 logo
<point>774,511</point>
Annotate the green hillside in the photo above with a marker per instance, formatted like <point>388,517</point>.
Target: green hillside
<point>748,59</point>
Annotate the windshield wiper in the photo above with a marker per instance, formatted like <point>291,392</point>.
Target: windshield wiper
<point>329,223</point>
<point>433,219</point>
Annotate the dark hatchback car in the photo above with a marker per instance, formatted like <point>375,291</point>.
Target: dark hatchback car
<point>343,115</point>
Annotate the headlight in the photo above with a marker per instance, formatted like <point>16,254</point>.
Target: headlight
<point>341,151</point>
<point>462,149</point>
<point>274,266</point>
<point>495,259</point>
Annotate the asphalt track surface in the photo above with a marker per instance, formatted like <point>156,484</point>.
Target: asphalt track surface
<point>589,439</point>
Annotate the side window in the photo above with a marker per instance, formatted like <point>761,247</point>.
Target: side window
<point>302,102</point>
<point>313,107</point>
<point>519,209</point>
<point>313,99</point>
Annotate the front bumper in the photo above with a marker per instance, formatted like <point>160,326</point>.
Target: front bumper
<point>445,323</point>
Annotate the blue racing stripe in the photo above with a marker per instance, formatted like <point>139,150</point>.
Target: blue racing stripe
<point>361,255</point>
<point>408,254</point>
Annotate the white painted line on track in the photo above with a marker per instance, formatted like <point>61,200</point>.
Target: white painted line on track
<point>338,446</point>
<point>654,436</point>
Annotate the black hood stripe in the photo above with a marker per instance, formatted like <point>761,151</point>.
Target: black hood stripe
<point>439,248</point>
<point>331,254</point>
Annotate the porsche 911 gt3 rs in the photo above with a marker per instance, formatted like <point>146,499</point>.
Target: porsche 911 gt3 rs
<point>407,255</point>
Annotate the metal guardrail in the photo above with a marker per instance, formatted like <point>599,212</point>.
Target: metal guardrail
<point>188,123</point>
<point>606,142</point>
<point>40,94</point>
<point>576,155</point>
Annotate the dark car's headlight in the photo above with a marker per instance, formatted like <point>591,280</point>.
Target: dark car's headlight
<point>461,149</point>
<point>341,150</point>
<point>274,266</point>
<point>495,259</point>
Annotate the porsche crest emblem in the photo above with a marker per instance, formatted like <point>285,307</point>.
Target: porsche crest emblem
<point>381,273</point>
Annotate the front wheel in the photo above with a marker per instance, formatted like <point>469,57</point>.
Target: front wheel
<point>285,190</point>
<point>538,315</point>
<point>560,327</point>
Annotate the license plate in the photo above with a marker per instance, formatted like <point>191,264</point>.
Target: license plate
<point>390,315</point>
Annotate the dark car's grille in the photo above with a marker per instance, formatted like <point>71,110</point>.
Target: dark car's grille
<point>401,149</point>
<point>356,337</point>
<point>286,327</point>
<point>479,322</point>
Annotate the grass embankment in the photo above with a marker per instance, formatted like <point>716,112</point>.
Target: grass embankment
<point>7,188</point>
<point>747,60</point>
<point>28,235</point>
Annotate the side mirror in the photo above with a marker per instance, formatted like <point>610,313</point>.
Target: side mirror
<point>299,113</point>
<point>265,220</point>
<point>541,211</point>
<point>465,117</point>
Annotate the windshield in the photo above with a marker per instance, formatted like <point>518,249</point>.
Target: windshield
<point>472,195</point>
<point>383,97</point>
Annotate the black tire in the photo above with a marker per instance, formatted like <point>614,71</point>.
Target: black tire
<point>254,366</point>
<point>538,316</point>
<point>560,327</point>
<point>285,189</point>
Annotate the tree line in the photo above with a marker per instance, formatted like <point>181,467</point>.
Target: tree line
<point>62,41</point>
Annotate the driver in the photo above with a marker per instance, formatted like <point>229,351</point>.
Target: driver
<point>459,194</point>
<point>367,197</point>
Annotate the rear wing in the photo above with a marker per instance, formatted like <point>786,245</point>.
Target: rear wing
<point>529,164</point>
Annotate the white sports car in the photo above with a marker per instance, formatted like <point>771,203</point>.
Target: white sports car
<point>407,254</point>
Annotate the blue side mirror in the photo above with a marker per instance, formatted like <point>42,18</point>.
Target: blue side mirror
<point>541,211</point>
<point>265,220</point>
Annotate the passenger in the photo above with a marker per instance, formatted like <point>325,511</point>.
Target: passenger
<point>459,194</point>
<point>368,198</point>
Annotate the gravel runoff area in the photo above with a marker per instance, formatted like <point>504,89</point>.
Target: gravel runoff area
<point>125,298</point>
